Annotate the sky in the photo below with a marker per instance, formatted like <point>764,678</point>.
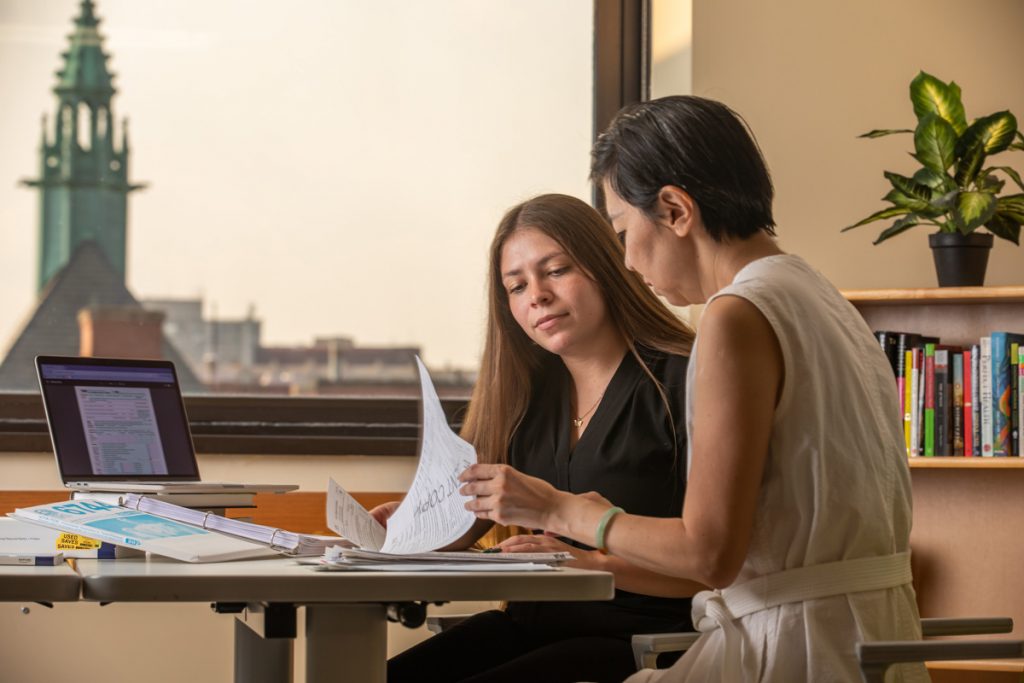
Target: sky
<point>339,168</point>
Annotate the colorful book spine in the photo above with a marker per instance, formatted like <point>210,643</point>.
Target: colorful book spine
<point>1014,399</point>
<point>942,402</point>
<point>887,340</point>
<point>915,409</point>
<point>968,409</point>
<point>1001,392</point>
<point>907,396</point>
<point>957,408</point>
<point>985,395</point>
<point>919,422</point>
<point>929,400</point>
<point>975,401</point>
<point>1020,394</point>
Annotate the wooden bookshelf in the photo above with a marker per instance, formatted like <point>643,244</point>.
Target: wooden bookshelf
<point>958,315</point>
<point>940,295</point>
<point>967,463</point>
<point>966,544</point>
<point>988,665</point>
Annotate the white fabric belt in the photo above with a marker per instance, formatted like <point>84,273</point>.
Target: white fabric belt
<point>720,608</point>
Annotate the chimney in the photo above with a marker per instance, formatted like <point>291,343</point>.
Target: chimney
<point>120,332</point>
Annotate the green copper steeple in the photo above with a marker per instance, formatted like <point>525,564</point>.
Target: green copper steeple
<point>83,177</point>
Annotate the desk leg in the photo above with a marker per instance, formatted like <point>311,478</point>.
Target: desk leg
<point>346,643</point>
<point>261,660</point>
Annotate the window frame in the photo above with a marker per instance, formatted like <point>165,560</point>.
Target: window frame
<point>372,426</point>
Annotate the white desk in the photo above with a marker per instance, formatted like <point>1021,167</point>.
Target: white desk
<point>39,584</point>
<point>346,634</point>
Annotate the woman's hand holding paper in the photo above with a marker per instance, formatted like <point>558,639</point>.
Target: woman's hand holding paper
<point>507,496</point>
<point>383,512</point>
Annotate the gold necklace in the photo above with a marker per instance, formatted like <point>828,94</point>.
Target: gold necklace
<point>578,421</point>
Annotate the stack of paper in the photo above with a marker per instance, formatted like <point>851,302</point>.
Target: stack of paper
<point>287,542</point>
<point>358,559</point>
<point>363,556</point>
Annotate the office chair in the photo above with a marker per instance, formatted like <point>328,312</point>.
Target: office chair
<point>647,647</point>
<point>875,658</point>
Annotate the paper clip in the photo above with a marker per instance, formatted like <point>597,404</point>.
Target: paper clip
<point>272,541</point>
<point>206,517</point>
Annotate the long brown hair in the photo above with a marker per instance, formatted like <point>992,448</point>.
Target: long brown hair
<point>510,359</point>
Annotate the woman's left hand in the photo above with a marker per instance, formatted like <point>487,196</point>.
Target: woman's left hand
<point>546,543</point>
<point>504,495</point>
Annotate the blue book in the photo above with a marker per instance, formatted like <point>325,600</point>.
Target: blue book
<point>1001,391</point>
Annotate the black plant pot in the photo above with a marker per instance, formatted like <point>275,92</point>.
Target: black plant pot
<point>960,260</point>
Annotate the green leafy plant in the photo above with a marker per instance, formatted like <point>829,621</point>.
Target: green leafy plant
<point>954,189</point>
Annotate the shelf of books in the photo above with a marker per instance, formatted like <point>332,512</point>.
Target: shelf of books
<point>967,550</point>
<point>957,354</point>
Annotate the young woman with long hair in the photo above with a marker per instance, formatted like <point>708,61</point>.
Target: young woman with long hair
<point>581,385</point>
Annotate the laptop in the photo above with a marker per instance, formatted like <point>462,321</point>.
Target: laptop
<point>120,425</point>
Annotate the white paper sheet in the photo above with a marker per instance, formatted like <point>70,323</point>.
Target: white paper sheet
<point>433,513</point>
<point>347,518</point>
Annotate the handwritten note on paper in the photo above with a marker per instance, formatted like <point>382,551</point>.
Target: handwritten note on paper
<point>347,518</point>
<point>433,513</point>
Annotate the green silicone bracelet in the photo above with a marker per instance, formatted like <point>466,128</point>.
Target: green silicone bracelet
<point>602,527</point>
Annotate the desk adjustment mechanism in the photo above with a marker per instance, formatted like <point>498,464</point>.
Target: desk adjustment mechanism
<point>267,620</point>
<point>409,614</point>
<point>228,607</point>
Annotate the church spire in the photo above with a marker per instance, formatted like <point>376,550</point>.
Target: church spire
<point>83,177</point>
<point>85,75</point>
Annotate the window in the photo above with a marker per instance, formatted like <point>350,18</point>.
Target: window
<point>308,196</point>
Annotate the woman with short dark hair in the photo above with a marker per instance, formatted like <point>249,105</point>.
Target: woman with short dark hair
<point>798,505</point>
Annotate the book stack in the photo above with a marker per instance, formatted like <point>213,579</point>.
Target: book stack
<point>960,401</point>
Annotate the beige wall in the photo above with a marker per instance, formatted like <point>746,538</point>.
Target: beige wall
<point>37,471</point>
<point>811,75</point>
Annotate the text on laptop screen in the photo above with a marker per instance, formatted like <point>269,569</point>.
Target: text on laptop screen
<point>119,421</point>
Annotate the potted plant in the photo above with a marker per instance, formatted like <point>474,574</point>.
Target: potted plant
<point>953,189</point>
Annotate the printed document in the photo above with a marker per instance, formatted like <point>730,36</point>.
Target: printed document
<point>120,430</point>
<point>433,513</point>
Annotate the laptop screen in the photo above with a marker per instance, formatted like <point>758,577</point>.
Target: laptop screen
<point>116,420</point>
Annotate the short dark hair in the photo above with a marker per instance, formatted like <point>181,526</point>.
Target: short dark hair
<point>698,145</point>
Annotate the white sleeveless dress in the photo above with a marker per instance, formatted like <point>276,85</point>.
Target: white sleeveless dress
<point>836,488</point>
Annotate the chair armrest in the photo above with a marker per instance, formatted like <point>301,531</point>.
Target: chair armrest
<point>647,646</point>
<point>963,627</point>
<point>442,623</point>
<point>876,658</point>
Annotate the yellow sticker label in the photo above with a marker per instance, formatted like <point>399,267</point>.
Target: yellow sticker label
<point>76,542</point>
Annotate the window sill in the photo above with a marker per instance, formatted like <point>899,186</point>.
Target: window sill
<point>258,425</point>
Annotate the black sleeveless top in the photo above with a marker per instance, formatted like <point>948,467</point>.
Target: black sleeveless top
<point>631,456</point>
